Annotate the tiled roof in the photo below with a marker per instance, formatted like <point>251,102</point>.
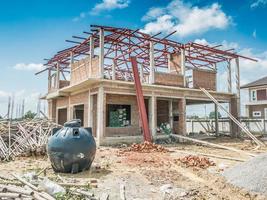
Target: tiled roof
<point>259,82</point>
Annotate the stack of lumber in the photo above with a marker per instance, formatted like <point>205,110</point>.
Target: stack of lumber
<point>147,147</point>
<point>24,138</point>
<point>196,161</point>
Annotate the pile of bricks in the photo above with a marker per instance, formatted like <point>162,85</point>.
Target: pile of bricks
<point>147,147</point>
<point>196,161</point>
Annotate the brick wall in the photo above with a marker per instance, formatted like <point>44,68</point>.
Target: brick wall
<point>205,79</point>
<point>168,79</point>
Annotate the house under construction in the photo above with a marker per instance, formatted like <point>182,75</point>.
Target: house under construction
<point>93,81</point>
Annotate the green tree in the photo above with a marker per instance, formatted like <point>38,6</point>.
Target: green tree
<point>29,115</point>
<point>212,115</point>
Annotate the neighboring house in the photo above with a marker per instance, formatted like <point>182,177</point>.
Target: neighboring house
<point>257,105</point>
<point>93,81</point>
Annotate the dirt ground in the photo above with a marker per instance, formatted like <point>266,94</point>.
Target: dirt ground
<point>153,176</point>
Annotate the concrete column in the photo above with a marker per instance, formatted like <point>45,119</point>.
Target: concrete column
<point>90,109</point>
<point>114,70</point>
<point>170,114</point>
<point>216,120</point>
<point>101,53</point>
<point>68,110</point>
<point>49,79</point>
<point>183,65</point>
<point>234,129</point>
<point>100,114</point>
<point>238,87</point>
<point>153,114</point>
<point>151,63</point>
<point>169,63</point>
<point>141,74</point>
<point>91,55</point>
<point>182,116</point>
<point>58,76</point>
<point>229,76</point>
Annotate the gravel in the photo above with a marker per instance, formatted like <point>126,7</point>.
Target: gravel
<point>250,175</point>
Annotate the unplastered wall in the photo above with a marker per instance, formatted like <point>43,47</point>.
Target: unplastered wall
<point>205,79</point>
<point>79,71</point>
<point>169,79</point>
<point>129,130</point>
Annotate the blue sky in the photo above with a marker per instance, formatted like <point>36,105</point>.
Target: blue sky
<point>31,30</point>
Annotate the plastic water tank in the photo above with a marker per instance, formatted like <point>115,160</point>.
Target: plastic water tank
<point>71,149</point>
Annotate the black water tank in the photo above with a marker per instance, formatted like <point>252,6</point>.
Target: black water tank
<point>71,149</point>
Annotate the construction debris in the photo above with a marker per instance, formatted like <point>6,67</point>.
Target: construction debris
<point>147,147</point>
<point>24,138</point>
<point>196,161</point>
<point>42,188</point>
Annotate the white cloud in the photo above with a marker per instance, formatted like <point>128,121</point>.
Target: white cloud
<point>29,67</point>
<point>254,34</point>
<point>109,5</point>
<point>185,19</point>
<point>258,3</point>
<point>81,16</point>
<point>153,13</point>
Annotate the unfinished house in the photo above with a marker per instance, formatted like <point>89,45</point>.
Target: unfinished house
<point>93,81</point>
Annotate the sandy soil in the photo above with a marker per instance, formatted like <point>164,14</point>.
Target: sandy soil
<point>145,175</point>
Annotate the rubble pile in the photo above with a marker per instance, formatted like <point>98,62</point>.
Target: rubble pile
<point>147,147</point>
<point>196,161</point>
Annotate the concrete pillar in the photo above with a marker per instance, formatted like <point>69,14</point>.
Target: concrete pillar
<point>91,55</point>
<point>216,120</point>
<point>49,79</point>
<point>100,114</point>
<point>182,116</point>
<point>234,129</point>
<point>183,65</point>
<point>229,76</point>
<point>90,109</point>
<point>237,87</point>
<point>101,53</point>
<point>151,63</point>
<point>141,74</point>
<point>169,63</point>
<point>58,76</point>
<point>170,114</point>
<point>153,114</point>
<point>114,70</point>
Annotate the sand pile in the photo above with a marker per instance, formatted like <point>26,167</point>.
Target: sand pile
<point>251,175</point>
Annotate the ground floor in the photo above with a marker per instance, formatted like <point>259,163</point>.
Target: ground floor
<point>110,108</point>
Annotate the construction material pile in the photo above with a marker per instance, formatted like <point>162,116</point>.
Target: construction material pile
<point>33,186</point>
<point>24,138</point>
<point>251,175</point>
<point>196,161</point>
<point>147,147</point>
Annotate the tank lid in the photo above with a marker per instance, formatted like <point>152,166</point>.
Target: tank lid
<point>73,123</point>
